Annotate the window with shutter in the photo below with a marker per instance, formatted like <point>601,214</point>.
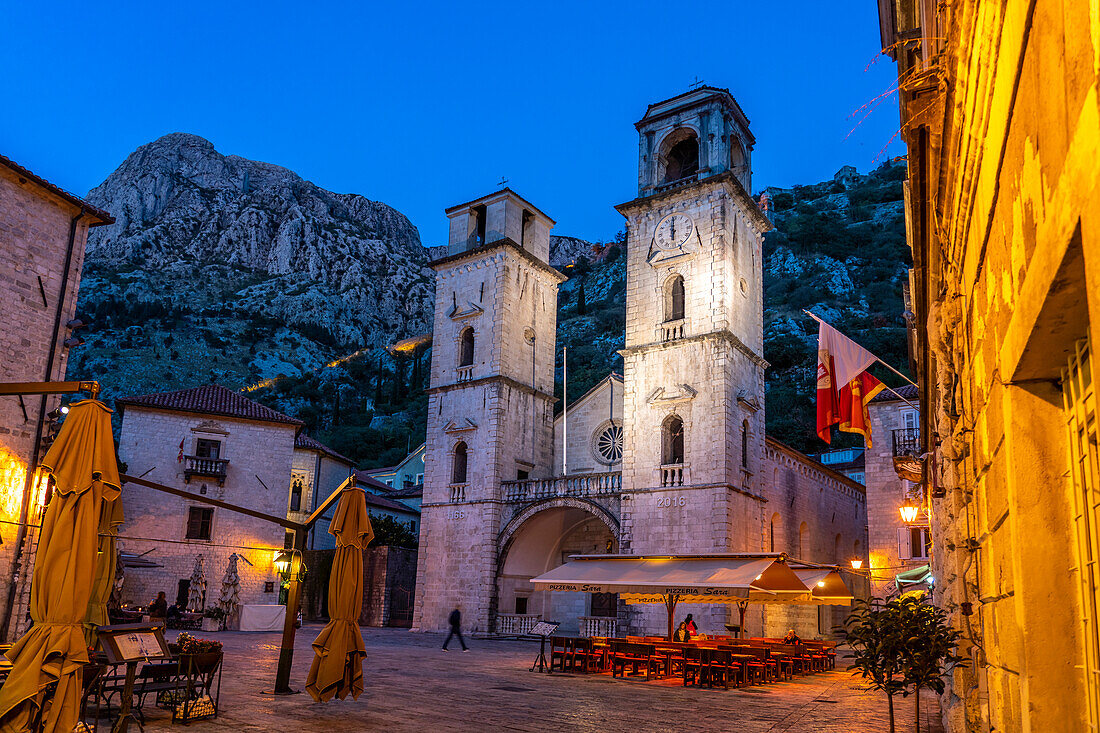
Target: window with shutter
<point>904,552</point>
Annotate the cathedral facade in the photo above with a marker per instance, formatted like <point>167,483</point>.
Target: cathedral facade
<point>668,457</point>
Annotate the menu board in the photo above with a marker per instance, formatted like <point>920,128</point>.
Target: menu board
<point>544,628</point>
<point>133,642</point>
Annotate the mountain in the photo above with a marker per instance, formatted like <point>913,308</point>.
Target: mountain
<point>838,249</point>
<point>220,268</point>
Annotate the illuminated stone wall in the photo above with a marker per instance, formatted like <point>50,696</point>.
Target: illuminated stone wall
<point>156,523</point>
<point>1001,117</point>
<point>34,236</point>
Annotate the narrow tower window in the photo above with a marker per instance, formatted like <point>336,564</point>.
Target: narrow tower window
<point>745,444</point>
<point>674,299</point>
<point>458,470</point>
<point>672,443</point>
<point>466,347</point>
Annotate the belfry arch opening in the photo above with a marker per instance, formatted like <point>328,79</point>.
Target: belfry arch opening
<point>542,543</point>
<point>679,156</point>
<point>466,347</point>
<point>672,441</point>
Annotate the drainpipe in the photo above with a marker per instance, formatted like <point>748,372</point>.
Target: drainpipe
<point>28,487</point>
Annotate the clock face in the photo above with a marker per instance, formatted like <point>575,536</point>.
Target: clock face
<point>673,231</point>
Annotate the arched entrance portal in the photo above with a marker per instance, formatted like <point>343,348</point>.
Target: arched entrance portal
<point>542,540</point>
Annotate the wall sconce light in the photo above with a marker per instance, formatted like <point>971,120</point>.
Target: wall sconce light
<point>909,511</point>
<point>857,563</point>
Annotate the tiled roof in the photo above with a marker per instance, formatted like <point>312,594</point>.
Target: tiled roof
<point>383,503</point>
<point>210,399</point>
<point>100,214</point>
<point>367,481</point>
<point>307,443</point>
<point>908,391</point>
<point>410,492</point>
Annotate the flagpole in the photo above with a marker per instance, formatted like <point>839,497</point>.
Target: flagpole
<point>564,411</point>
<point>880,361</point>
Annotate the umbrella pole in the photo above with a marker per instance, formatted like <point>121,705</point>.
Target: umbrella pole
<point>294,592</point>
<point>742,606</point>
<point>670,606</point>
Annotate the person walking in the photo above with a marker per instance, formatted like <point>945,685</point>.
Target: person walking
<point>456,630</point>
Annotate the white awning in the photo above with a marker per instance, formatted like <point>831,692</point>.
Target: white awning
<point>718,578</point>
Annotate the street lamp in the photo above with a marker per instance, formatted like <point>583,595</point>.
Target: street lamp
<point>909,511</point>
<point>857,563</point>
<point>282,562</point>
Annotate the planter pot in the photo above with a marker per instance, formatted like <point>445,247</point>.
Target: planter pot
<point>211,624</point>
<point>201,663</point>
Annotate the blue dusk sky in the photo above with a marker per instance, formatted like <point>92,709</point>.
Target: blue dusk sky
<point>424,105</point>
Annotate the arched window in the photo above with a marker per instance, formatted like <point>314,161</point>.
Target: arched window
<point>772,531</point>
<point>672,441</point>
<point>296,495</point>
<point>466,347</point>
<point>803,540</point>
<point>674,299</point>
<point>739,161</point>
<point>458,468</point>
<point>680,155</point>
<point>745,444</point>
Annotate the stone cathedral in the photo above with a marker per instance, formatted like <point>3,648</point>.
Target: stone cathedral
<point>668,457</point>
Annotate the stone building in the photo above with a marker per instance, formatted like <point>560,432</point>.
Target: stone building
<point>219,444</point>
<point>669,457</point>
<point>43,230</point>
<point>893,545</point>
<point>316,471</point>
<point>999,109</point>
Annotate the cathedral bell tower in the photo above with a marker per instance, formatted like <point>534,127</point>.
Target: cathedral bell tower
<point>693,407</point>
<point>490,404</point>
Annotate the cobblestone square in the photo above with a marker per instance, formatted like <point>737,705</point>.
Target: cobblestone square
<point>411,685</point>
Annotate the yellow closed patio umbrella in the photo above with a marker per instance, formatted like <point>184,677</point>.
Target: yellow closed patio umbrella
<point>110,517</point>
<point>85,471</point>
<point>337,667</point>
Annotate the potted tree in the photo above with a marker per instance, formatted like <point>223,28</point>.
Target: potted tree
<point>929,650</point>
<point>213,619</point>
<point>875,631</point>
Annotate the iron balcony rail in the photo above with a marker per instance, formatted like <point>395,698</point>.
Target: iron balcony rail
<point>583,484</point>
<point>907,442</point>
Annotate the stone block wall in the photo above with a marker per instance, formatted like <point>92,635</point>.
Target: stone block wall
<point>156,523</point>
<point>588,417</point>
<point>34,238</point>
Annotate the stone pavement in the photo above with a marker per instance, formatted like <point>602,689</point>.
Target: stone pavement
<point>410,685</point>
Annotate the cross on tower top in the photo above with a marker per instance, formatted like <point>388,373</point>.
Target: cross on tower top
<point>503,182</point>
<point>697,83</point>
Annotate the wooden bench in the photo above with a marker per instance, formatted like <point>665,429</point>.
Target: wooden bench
<point>636,655</point>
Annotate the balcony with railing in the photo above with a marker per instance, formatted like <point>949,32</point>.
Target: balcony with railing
<point>669,185</point>
<point>458,493</point>
<point>672,330</point>
<point>214,468</point>
<point>597,626</point>
<point>582,484</point>
<point>907,442</point>
<point>465,373</point>
<point>673,474</point>
<point>516,623</point>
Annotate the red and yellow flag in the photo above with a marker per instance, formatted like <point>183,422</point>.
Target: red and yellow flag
<point>844,386</point>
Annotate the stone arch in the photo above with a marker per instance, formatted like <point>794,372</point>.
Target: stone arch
<point>539,539</point>
<point>739,160</point>
<point>504,539</point>
<point>674,298</point>
<point>678,155</point>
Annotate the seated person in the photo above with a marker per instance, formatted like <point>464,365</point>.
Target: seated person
<point>791,638</point>
<point>159,607</point>
<point>682,633</point>
<point>174,611</point>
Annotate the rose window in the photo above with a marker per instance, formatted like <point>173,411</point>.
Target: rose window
<point>609,443</point>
